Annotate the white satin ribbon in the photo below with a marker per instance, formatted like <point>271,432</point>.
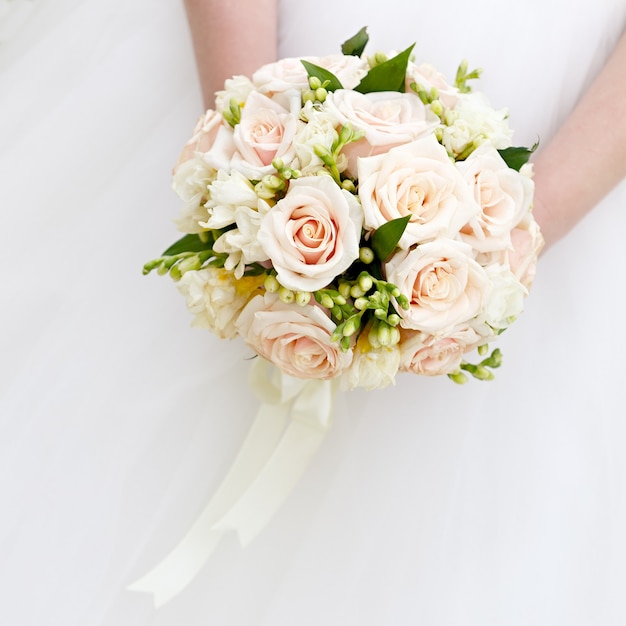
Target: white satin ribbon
<point>289,428</point>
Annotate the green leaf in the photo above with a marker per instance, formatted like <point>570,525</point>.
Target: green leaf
<point>188,243</point>
<point>386,238</point>
<point>388,76</point>
<point>315,71</point>
<point>356,44</point>
<point>515,157</point>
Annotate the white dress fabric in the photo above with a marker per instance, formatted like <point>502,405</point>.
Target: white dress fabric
<point>489,504</point>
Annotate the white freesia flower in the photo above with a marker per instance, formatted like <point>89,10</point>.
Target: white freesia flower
<point>191,182</point>
<point>373,368</point>
<point>215,298</point>
<point>318,127</point>
<point>237,88</point>
<point>242,244</point>
<point>228,192</point>
<point>476,121</point>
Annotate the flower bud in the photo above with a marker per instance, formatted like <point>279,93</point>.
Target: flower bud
<point>361,303</point>
<point>320,94</point>
<point>356,291</point>
<point>458,377</point>
<point>384,334</point>
<point>344,289</point>
<point>303,298</point>
<point>348,185</point>
<point>366,255</point>
<point>365,281</point>
<point>314,82</point>
<point>393,319</point>
<point>326,301</point>
<point>351,326</point>
<point>286,295</point>
<point>271,283</point>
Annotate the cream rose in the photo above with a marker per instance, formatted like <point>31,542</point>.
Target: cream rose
<point>428,77</point>
<point>215,298</point>
<point>266,132</point>
<point>503,194</point>
<point>191,182</point>
<point>312,235</point>
<point>276,78</point>
<point>203,136</point>
<point>526,244</point>
<point>428,355</point>
<point>388,119</point>
<point>295,339</point>
<point>418,180</point>
<point>443,283</point>
<point>237,89</point>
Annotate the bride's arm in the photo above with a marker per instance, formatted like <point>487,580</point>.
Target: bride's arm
<point>587,156</point>
<point>230,38</point>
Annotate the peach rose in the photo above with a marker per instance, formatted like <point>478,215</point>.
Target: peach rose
<point>388,119</point>
<point>266,132</point>
<point>503,194</point>
<point>443,283</point>
<point>312,235</point>
<point>527,242</point>
<point>296,339</point>
<point>202,138</point>
<point>428,355</point>
<point>419,180</point>
<point>428,77</point>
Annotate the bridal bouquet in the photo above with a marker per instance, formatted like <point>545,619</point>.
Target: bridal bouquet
<point>355,216</point>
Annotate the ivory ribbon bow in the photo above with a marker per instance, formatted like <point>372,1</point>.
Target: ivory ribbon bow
<point>288,429</point>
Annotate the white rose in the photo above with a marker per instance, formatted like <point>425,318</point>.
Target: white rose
<point>503,194</point>
<point>476,121</point>
<point>266,132</point>
<point>443,283</point>
<point>373,368</point>
<point>388,119</point>
<point>216,299</point>
<point>505,300</point>
<point>429,355</point>
<point>312,235</point>
<point>526,244</point>
<point>419,180</point>
<point>296,339</point>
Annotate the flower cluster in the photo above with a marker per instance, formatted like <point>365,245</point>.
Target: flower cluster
<point>353,216</point>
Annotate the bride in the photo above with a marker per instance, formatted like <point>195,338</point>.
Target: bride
<point>429,503</point>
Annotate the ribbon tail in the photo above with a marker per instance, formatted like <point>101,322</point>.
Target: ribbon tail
<point>286,434</point>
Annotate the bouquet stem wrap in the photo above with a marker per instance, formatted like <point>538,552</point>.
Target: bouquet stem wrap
<point>289,427</point>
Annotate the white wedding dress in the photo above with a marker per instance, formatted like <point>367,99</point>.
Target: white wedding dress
<point>488,504</point>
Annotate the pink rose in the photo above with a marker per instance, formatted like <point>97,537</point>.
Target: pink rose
<point>428,355</point>
<point>419,180</point>
<point>203,136</point>
<point>265,132</point>
<point>388,119</point>
<point>527,242</point>
<point>443,283</point>
<point>312,235</point>
<point>296,339</point>
<point>503,194</point>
